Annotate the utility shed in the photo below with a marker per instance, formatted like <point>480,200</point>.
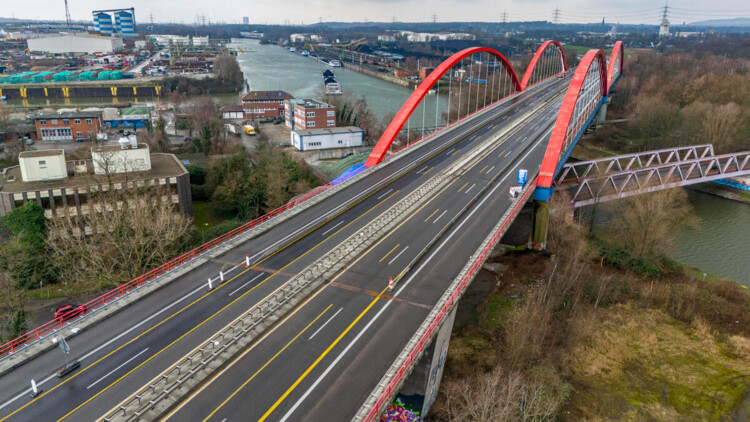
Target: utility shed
<point>42,165</point>
<point>325,138</point>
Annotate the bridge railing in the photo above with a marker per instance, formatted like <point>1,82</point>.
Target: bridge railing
<point>107,298</point>
<point>420,345</point>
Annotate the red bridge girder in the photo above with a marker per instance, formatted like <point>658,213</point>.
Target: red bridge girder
<point>378,153</point>
<point>560,130</point>
<point>616,50</point>
<point>535,60</point>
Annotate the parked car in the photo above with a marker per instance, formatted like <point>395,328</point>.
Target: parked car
<point>68,311</point>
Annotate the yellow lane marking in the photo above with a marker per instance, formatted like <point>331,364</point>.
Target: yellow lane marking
<point>427,171</point>
<point>456,152</point>
<point>501,154</point>
<point>323,355</point>
<point>226,283</point>
<point>483,169</point>
<point>218,312</point>
<point>433,213</point>
<point>389,252</point>
<point>267,363</point>
<point>462,187</point>
<point>194,328</point>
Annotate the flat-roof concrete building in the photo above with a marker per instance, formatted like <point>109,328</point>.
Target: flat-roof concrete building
<point>67,188</point>
<point>327,138</point>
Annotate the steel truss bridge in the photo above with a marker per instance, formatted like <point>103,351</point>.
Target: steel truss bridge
<point>322,309</point>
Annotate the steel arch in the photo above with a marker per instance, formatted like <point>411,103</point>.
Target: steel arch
<point>378,153</point>
<point>535,59</point>
<point>563,122</point>
<point>617,56</point>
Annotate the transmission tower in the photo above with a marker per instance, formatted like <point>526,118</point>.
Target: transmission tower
<point>434,18</point>
<point>556,15</point>
<point>505,17</point>
<point>67,15</point>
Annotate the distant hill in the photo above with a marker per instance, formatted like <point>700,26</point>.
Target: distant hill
<point>724,22</point>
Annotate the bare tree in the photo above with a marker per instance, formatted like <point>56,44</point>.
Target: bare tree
<point>647,223</point>
<point>133,231</point>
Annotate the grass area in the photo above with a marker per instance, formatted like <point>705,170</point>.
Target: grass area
<point>205,215</point>
<point>641,364</point>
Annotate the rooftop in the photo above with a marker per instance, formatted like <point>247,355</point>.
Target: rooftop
<point>309,103</point>
<point>115,147</point>
<point>231,108</point>
<point>322,131</point>
<point>162,165</point>
<point>41,153</point>
<point>267,96</point>
<point>69,115</point>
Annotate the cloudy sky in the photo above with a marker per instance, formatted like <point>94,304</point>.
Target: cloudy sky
<point>311,11</point>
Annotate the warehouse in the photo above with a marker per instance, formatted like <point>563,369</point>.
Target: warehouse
<point>76,43</point>
<point>326,138</point>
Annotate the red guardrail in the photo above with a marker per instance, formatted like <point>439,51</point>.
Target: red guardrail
<point>117,292</point>
<point>385,398</point>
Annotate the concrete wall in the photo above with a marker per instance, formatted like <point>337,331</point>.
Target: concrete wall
<point>384,76</point>
<point>121,160</point>
<point>326,140</point>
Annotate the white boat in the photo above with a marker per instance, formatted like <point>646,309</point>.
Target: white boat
<point>335,63</point>
<point>305,53</point>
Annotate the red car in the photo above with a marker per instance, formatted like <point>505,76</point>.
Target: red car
<point>67,312</point>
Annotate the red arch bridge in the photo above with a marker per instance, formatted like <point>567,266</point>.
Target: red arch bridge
<point>328,307</point>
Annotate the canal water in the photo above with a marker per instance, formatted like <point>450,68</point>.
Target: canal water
<point>717,242</point>
<point>270,67</point>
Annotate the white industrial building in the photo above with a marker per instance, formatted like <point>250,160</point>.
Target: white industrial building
<point>127,157</point>
<point>327,138</point>
<point>76,43</point>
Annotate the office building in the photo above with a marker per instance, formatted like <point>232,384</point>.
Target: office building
<point>337,137</point>
<point>264,105</point>
<point>309,114</point>
<point>66,189</point>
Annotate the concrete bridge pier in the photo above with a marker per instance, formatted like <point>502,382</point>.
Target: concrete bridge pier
<point>539,221</point>
<point>422,386</point>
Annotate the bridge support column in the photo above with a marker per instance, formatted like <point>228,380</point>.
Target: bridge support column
<point>424,381</point>
<point>539,223</point>
<point>601,115</point>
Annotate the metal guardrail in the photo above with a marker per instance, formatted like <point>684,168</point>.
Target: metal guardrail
<point>386,389</point>
<point>167,388</point>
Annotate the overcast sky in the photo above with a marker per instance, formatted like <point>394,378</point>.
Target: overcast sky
<point>311,11</point>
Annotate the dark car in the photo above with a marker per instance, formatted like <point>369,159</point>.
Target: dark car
<point>67,312</point>
<point>80,140</point>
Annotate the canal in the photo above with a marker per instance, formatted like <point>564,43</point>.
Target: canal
<point>270,67</point>
<point>716,242</point>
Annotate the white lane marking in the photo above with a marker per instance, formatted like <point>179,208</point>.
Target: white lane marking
<point>472,187</point>
<point>115,370</point>
<point>488,171</point>
<point>441,214</point>
<point>422,169</point>
<point>383,195</point>
<point>326,323</point>
<point>456,135</point>
<point>240,288</point>
<point>399,254</point>
<point>449,152</point>
<point>508,153</point>
<point>339,223</point>
<point>398,292</point>
<point>124,333</point>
